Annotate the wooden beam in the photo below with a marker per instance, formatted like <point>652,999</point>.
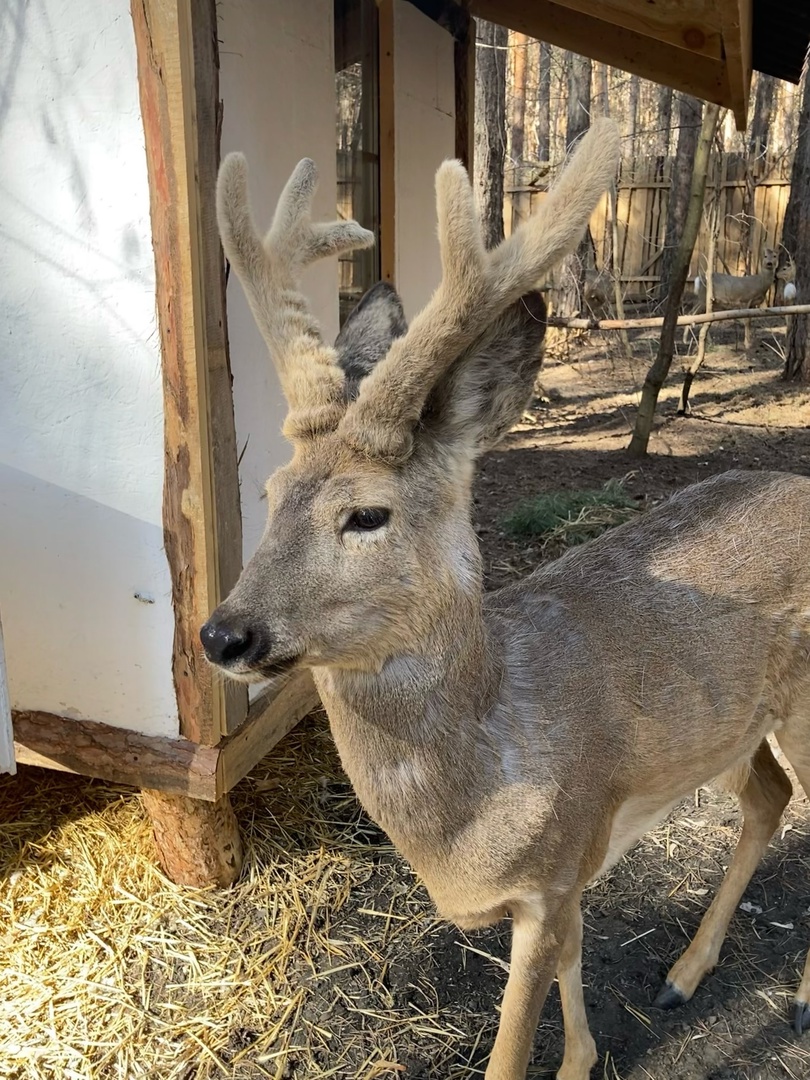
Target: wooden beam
<point>115,754</point>
<point>387,143</point>
<point>701,76</point>
<point>464,69</point>
<point>175,766</point>
<point>272,715</point>
<point>687,24</point>
<point>178,92</point>
<point>738,17</point>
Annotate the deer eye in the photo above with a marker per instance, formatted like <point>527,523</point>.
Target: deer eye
<point>372,517</point>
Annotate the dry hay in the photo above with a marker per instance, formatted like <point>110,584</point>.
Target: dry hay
<point>326,959</point>
<point>111,971</point>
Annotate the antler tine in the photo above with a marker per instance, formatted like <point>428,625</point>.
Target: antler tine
<point>269,272</point>
<point>476,287</point>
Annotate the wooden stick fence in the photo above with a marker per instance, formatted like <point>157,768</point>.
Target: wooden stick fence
<point>752,197</point>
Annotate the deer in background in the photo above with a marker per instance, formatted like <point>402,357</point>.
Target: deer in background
<point>746,291</point>
<point>512,745</point>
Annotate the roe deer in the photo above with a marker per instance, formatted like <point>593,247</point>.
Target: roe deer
<point>513,745</point>
<point>746,291</point>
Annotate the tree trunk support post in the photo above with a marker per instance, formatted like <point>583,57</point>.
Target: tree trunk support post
<point>198,843</point>
<point>178,81</point>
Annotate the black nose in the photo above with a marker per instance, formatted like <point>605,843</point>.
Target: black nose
<point>225,640</point>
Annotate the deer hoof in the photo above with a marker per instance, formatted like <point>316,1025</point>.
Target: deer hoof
<point>670,997</point>
<point>801,1017</point>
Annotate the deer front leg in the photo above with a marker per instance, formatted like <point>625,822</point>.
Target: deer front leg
<point>580,1050</point>
<point>537,943</point>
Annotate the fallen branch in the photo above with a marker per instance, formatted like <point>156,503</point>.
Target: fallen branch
<point>683,320</point>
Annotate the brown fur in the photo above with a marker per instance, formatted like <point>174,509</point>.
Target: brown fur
<point>515,745</point>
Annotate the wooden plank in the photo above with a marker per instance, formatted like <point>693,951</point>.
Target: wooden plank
<point>701,76</point>
<point>464,70</point>
<point>387,143</point>
<point>188,277</point>
<point>115,754</point>
<point>689,24</point>
<point>227,508</point>
<point>7,763</point>
<point>271,716</point>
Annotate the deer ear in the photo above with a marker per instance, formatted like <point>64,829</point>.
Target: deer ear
<point>485,392</point>
<point>367,334</point>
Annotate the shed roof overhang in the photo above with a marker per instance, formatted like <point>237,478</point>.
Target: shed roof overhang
<point>707,48</point>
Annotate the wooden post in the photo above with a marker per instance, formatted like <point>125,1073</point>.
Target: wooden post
<point>179,91</point>
<point>176,45</point>
<point>197,842</point>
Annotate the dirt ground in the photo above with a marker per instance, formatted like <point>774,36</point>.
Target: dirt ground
<point>386,989</point>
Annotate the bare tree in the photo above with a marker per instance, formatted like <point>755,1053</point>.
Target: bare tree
<point>601,102</point>
<point>664,120</point>
<point>572,273</point>
<point>796,238</point>
<point>544,102</point>
<point>490,126</point>
<point>632,114</point>
<point>520,54</point>
<point>689,116</point>
<point>579,97</point>
<point>759,134</point>
<point>680,268</point>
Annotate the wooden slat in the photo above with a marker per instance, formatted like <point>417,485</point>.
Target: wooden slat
<point>272,715</point>
<point>108,753</point>
<point>387,143</point>
<point>692,73</point>
<point>179,109</point>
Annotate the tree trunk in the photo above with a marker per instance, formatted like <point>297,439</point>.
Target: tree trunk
<point>519,49</point>
<point>761,121</point>
<point>571,296</point>
<point>544,103</point>
<point>664,120</point>
<point>632,115</point>
<point>689,114</point>
<point>685,409</point>
<point>579,97</point>
<point>796,238</point>
<point>680,268</point>
<point>490,127</point>
<point>601,101</point>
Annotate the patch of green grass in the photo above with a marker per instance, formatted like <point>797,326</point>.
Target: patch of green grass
<point>571,517</point>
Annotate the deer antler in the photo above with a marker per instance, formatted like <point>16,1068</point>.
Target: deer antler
<point>269,271</point>
<point>476,287</point>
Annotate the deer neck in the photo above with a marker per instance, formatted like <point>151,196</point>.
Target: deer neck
<point>406,734</point>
